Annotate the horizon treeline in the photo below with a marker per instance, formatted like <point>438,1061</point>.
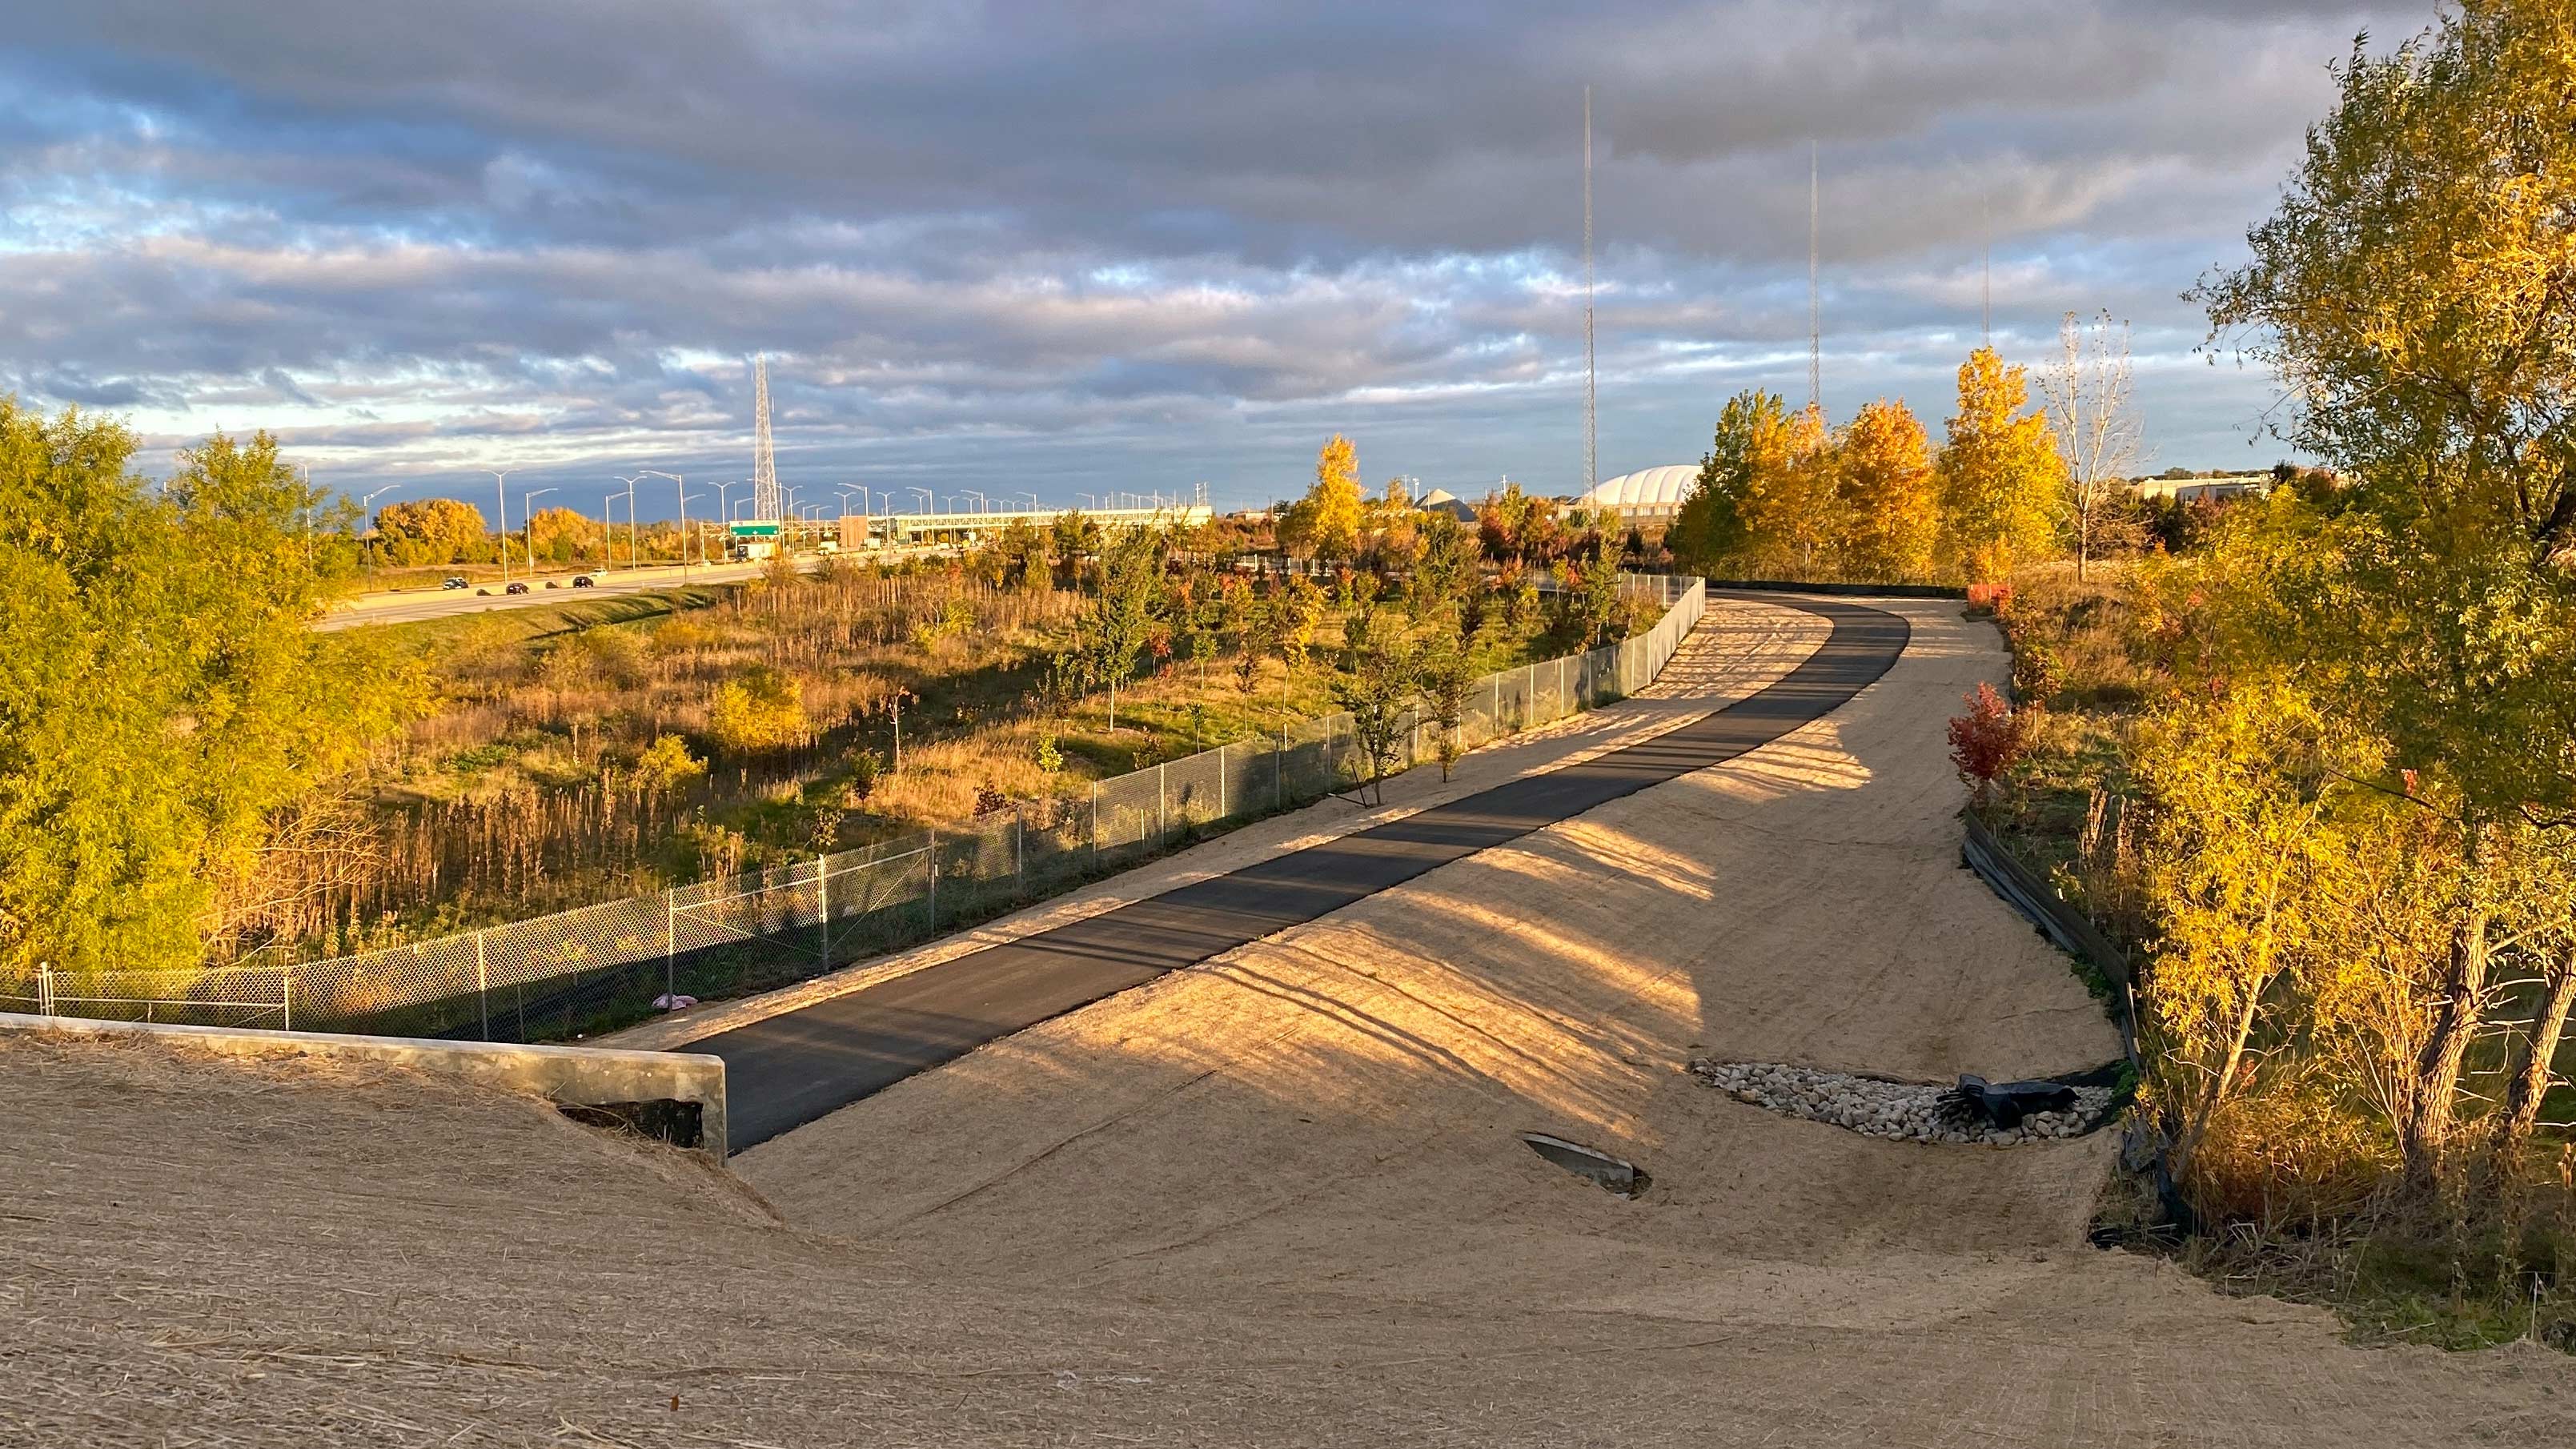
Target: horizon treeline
<point>1781,494</point>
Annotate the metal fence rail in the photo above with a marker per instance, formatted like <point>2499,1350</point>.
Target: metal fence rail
<point>603,965</point>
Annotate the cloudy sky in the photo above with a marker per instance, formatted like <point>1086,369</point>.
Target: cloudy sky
<point>1076,246</point>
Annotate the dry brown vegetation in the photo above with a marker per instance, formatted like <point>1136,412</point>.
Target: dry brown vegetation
<point>614,759</point>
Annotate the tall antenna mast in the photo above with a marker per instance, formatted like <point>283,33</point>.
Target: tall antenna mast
<point>765,503</point>
<point>1815,316</point>
<point>1591,368</point>
<point>1988,209</point>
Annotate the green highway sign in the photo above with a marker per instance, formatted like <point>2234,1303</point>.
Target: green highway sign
<point>755,530</point>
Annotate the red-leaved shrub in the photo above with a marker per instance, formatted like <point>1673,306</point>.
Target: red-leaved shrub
<point>1989,599</point>
<point>1986,740</point>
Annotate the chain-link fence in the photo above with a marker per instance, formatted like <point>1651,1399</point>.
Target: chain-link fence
<point>603,966</point>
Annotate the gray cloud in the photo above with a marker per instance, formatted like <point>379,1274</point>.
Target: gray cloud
<point>1076,243</point>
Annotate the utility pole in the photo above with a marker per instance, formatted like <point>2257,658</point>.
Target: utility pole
<point>1591,368</point>
<point>500,486</point>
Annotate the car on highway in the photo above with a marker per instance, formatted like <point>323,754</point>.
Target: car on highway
<point>453,582</point>
<point>583,581</point>
<point>516,589</point>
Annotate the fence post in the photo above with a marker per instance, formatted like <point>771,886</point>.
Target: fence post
<point>823,909</point>
<point>1529,694</point>
<point>1095,825</point>
<point>670,946</point>
<point>1020,851</point>
<point>1279,770</point>
<point>934,879</point>
<point>286,998</point>
<point>1162,803</point>
<point>1221,811</point>
<point>482,987</point>
<point>44,988</point>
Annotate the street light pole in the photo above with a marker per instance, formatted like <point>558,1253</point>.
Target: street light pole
<point>683,490</point>
<point>528,520</point>
<point>500,486</point>
<point>364,560</point>
<point>634,558</point>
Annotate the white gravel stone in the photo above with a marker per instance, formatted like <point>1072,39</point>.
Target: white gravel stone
<point>1901,1111</point>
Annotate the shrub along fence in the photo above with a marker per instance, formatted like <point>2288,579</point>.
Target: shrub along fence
<point>602,966</point>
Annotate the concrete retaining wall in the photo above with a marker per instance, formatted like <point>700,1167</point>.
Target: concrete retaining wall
<point>617,1083</point>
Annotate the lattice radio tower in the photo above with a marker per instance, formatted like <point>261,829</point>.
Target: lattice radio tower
<point>1591,369</point>
<point>1815,315</point>
<point>765,502</point>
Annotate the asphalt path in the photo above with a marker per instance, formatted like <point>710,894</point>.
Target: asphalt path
<point>791,1069</point>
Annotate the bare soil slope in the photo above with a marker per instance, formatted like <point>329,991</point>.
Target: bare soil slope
<point>1271,1201</point>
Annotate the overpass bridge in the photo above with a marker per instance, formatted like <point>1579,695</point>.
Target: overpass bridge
<point>901,528</point>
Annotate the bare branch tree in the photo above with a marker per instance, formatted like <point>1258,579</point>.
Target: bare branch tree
<point>2088,391</point>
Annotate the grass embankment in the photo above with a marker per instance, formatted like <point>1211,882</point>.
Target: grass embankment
<point>591,749</point>
<point>2299,1181</point>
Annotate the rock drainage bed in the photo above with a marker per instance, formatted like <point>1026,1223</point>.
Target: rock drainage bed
<point>1898,1111</point>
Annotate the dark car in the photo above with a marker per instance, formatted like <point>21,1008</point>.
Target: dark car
<point>516,589</point>
<point>583,581</point>
<point>550,583</point>
<point>453,582</point>
<point>482,593</point>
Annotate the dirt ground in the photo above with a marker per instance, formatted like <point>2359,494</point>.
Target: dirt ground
<point>1273,1200</point>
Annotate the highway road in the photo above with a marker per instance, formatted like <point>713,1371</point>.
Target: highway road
<point>793,1068</point>
<point>412,605</point>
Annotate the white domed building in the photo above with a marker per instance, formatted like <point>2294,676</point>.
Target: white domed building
<point>1648,496</point>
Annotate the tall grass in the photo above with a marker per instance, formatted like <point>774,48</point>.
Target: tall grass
<point>528,787</point>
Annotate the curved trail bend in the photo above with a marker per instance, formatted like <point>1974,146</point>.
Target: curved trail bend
<point>801,1065</point>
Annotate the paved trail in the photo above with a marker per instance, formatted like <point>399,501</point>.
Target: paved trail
<point>794,1068</point>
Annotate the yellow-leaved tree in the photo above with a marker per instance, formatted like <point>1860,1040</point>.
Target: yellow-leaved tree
<point>1998,472</point>
<point>1325,523</point>
<point>1886,500</point>
<point>1791,513</point>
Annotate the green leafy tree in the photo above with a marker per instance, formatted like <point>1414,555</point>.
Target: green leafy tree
<point>1594,587</point>
<point>1126,608</point>
<point>1709,526</point>
<point>1448,679</point>
<point>167,711</point>
<point>2417,284</point>
<point>1377,692</point>
<point>1072,539</point>
<point>1450,565</point>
